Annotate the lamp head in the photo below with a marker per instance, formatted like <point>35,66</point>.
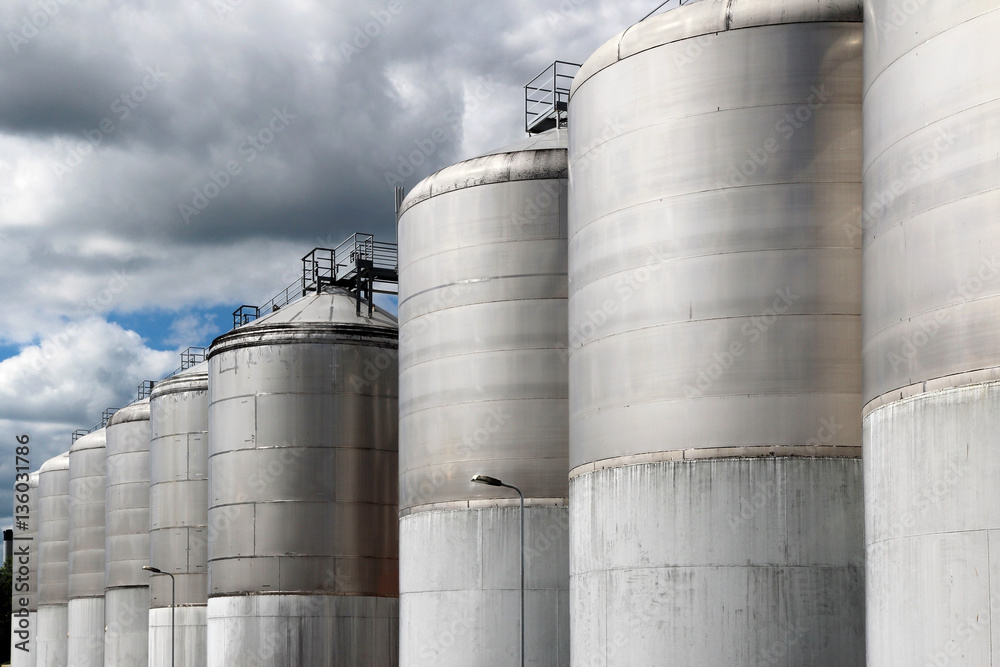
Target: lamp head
<point>488,481</point>
<point>150,568</point>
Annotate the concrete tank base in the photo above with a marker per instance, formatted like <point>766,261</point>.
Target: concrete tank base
<point>299,630</point>
<point>190,638</point>
<point>53,626</point>
<point>86,632</point>
<point>464,610</point>
<point>19,658</point>
<point>126,616</point>
<point>932,485</point>
<point>718,563</point>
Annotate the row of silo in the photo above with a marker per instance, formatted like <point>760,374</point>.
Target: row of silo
<point>91,604</point>
<point>113,490</point>
<point>717,241</point>
<point>291,558</point>
<point>708,419</point>
<point>703,442</point>
<point>82,618</point>
<point>485,386</point>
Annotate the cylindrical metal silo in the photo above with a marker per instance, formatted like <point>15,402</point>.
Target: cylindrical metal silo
<point>53,561</point>
<point>178,514</point>
<point>714,312</point>
<point>24,592</point>
<point>303,564</point>
<point>126,604</point>
<point>86,550</point>
<point>931,306</point>
<point>483,390</point>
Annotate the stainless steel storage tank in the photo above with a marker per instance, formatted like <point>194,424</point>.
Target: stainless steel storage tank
<point>24,592</point>
<point>483,390</point>
<point>178,510</point>
<point>126,606</point>
<point>303,556</point>
<point>714,314</point>
<point>87,481</point>
<point>53,561</point>
<point>931,325</point>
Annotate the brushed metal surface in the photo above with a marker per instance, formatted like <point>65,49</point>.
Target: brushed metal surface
<point>662,244</point>
<point>932,287</point>
<point>302,453</point>
<point>178,492</point>
<point>53,531</point>
<point>127,497</point>
<point>482,335</point>
<point>708,18</point>
<point>539,156</point>
<point>32,532</point>
<point>27,538</point>
<point>714,304</point>
<point>87,479</point>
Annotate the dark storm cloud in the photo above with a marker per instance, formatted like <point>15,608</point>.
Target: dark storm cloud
<point>259,122</point>
<point>162,116</point>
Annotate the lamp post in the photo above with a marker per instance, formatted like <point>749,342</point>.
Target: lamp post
<point>173,598</point>
<point>493,481</point>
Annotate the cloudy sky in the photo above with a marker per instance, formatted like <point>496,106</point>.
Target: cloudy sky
<point>162,163</point>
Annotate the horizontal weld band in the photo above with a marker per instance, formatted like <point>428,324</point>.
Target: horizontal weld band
<point>754,452</point>
<point>485,503</point>
<point>979,376</point>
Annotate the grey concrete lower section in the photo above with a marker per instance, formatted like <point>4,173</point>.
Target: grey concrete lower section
<point>24,656</point>
<point>51,638</point>
<point>718,563</point>
<point>190,637</point>
<point>932,491</point>
<point>301,630</point>
<point>460,587</point>
<point>86,632</point>
<point>126,617</point>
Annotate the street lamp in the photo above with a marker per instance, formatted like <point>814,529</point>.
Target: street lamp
<point>493,481</point>
<point>173,598</point>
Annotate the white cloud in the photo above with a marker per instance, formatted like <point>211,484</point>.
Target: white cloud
<point>72,375</point>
